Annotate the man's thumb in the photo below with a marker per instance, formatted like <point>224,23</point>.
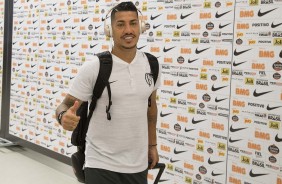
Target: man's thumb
<point>75,106</point>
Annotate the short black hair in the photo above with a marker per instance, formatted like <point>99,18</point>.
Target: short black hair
<point>123,6</point>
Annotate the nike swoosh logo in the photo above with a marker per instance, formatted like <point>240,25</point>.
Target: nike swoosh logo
<point>47,67</point>
<point>141,47</point>
<point>272,108</point>
<point>219,100</point>
<point>154,27</point>
<point>54,92</point>
<point>253,175</point>
<point>185,16</point>
<point>166,50</point>
<point>164,115</point>
<point>103,19</point>
<point>27,43</point>
<point>182,84</point>
<point>163,180</point>
<point>57,44</point>
<point>45,114</point>
<point>52,140</point>
<point>191,61</point>
<point>82,20</point>
<point>176,94</point>
<point>220,15</point>
<point>200,51</point>
<point>33,65</point>
<point>96,27</point>
<point>74,27</point>
<point>54,4</point>
<point>277,139</point>
<point>48,21</point>
<point>65,20</point>
<point>40,44</point>
<point>179,27</point>
<point>68,146</point>
<point>73,53</point>
<point>188,130</point>
<point>73,45</point>
<point>236,53</point>
<point>64,69</point>
<point>75,2</point>
<point>178,152</point>
<point>275,25</point>
<point>234,140</point>
<point>216,89</point>
<point>197,121</point>
<point>213,162</point>
<point>261,14</point>
<point>213,174</point>
<point>237,64</point>
<point>35,21</point>
<point>260,94</point>
<point>236,129</point>
<point>154,17</point>
<point>173,161</point>
<point>222,26</point>
<point>92,46</point>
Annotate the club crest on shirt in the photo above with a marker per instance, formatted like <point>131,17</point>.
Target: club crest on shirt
<point>149,78</point>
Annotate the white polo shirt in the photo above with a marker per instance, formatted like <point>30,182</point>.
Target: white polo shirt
<point>121,144</point>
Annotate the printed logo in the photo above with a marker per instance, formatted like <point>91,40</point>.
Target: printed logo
<point>176,94</point>
<point>164,115</point>
<point>154,17</point>
<point>96,27</point>
<point>178,152</point>
<point>154,27</point>
<point>253,175</point>
<point>219,100</point>
<point>166,50</point>
<point>272,108</point>
<point>260,94</point>
<point>83,20</point>
<point>213,174</point>
<point>213,162</point>
<point>179,27</point>
<point>236,129</point>
<point>92,46</point>
<point>220,15</point>
<point>261,14</point>
<point>188,130</point>
<point>237,64</point>
<point>234,140</point>
<point>185,16</point>
<point>218,88</point>
<point>241,52</point>
<point>182,84</point>
<point>191,61</point>
<point>149,78</point>
<point>173,161</point>
<point>277,139</point>
<point>200,51</point>
<point>198,121</point>
<point>65,20</point>
<point>275,25</point>
<point>223,26</point>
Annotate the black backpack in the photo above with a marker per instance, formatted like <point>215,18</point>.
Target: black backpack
<point>79,133</point>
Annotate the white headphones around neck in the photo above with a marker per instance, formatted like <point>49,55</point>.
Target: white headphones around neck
<point>108,27</point>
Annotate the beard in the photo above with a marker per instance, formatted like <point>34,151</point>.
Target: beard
<point>132,47</point>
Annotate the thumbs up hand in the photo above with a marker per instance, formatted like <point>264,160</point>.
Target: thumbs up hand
<point>70,119</point>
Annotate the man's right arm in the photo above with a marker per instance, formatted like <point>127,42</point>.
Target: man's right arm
<point>68,107</point>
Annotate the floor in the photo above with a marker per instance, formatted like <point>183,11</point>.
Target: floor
<point>20,165</point>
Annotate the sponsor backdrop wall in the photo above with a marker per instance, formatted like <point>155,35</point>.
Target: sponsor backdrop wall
<point>220,100</point>
<point>2,5</point>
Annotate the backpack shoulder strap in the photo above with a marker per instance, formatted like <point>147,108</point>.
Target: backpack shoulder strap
<point>154,65</point>
<point>106,64</point>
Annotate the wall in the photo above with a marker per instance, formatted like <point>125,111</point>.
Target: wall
<point>220,99</point>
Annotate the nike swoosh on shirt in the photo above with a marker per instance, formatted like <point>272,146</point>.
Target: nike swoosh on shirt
<point>220,15</point>
<point>260,94</point>
<point>237,64</point>
<point>261,14</point>
<point>236,53</point>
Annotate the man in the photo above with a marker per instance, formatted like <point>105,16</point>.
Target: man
<point>118,150</point>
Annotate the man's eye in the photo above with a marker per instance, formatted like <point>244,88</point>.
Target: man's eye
<point>120,25</point>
